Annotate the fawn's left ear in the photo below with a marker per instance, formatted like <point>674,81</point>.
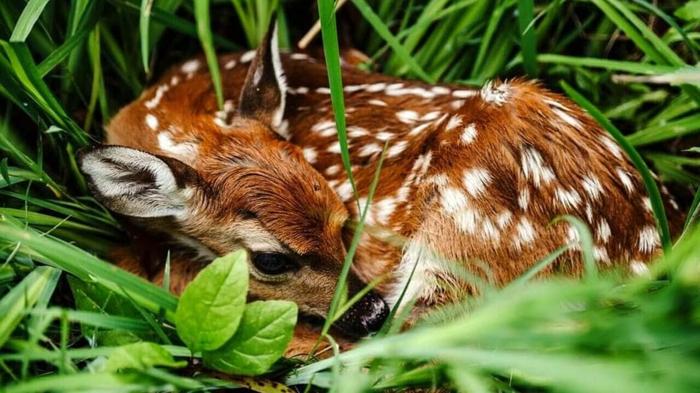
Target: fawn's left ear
<point>264,90</point>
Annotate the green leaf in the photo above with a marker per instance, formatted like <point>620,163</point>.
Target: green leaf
<point>141,356</point>
<point>211,306</point>
<point>690,11</point>
<point>265,331</point>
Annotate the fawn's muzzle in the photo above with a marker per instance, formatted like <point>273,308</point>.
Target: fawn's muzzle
<point>364,317</point>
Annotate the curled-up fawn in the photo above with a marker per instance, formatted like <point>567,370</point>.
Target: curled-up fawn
<point>469,175</point>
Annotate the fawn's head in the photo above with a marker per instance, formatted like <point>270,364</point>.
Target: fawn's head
<point>248,189</point>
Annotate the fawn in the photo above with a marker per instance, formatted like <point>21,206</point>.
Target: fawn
<point>469,175</point>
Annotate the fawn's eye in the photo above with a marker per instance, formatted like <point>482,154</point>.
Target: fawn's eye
<point>273,264</point>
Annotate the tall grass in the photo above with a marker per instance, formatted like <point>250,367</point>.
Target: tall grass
<point>66,67</point>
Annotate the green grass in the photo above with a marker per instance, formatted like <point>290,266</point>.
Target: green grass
<point>67,67</point>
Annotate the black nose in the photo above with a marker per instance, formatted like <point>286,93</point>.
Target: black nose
<point>364,317</point>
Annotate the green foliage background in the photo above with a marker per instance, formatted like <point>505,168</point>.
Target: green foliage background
<point>67,66</point>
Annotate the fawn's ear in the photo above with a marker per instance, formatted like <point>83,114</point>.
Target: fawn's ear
<point>138,184</point>
<point>264,90</point>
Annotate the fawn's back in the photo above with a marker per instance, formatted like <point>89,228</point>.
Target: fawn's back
<point>474,176</point>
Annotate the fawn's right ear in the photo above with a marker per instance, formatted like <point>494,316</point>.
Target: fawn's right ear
<point>264,90</point>
<point>138,184</point>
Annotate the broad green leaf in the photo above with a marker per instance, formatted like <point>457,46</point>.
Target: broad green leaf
<point>212,305</point>
<point>264,333</point>
<point>141,356</point>
<point>689,11</point>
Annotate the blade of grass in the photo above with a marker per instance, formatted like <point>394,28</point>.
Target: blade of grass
<point>528,44</point>
<point>201,13</point>
<point>144,29</point>
<point>331,52</point>
<point>30,14</point>
<point>384,32</point>
<point>87,267</point>
<point>651,187</point>
<point>22,297</point>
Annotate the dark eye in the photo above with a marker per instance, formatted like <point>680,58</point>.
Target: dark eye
<point>273,263</point>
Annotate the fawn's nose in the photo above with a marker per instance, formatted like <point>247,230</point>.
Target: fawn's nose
<point>364,317</point>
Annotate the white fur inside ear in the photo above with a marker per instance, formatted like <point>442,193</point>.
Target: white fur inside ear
<point>134,183</point>
<point>279,76</point>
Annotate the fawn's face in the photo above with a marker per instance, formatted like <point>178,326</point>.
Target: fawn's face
<point>250,190</point>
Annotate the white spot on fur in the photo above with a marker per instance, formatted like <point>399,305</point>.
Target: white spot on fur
<point>467,219</point>
<point>568,119</point>
<point>646,202</point>
<point>325,128</point>
<point>452,199</point>
<point>454,122</point>
<point>344,191</point>
<point>323,90</point>
<point>603,232</point>
<point>463,94</point>
<point>469,134</point>
<point>247,57</point>
<point>503,219</point>
<point>639,268</point>
<point>457,104</point>
<point>153,102</point>
<point>299,56</point>
<point>612,146</point>
<point>397,148</point>
<point>186,150</point>
<point>332,170</point>
<point>476,180</point>
<point>592,186</point>
<point>230,64</point>
<point>534,167</point>
<point>418,91</point>
<point>440,90</point>
<point>430,116</point>
<point>408,117</point>
<point>419,129</point>
<point>375,87</point>
<point>524,198</point>
<point>625,179</point>
<point>601,254</point>
<point>648,239</point>
<point>174,80</point>
<point>568,198</point>
<point>369,149</point>
<point>356,132</point>
<point>310,154</point>
<point>354,88</point>
<point>191,66</point>
<point>152,121</point>
<point>377,102</point>
<point>496,95</point>
<point>334,148</point>
<point>439,180</point>
<point>525,233</point>
<point>384,136</point>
